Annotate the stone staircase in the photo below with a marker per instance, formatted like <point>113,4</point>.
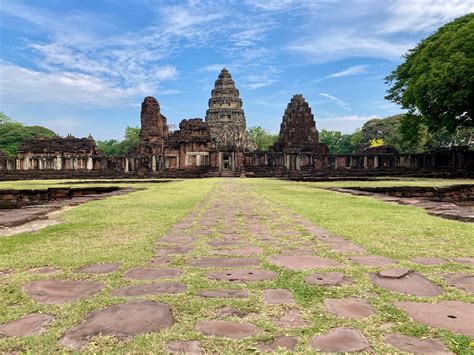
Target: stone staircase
<point>227,173</point>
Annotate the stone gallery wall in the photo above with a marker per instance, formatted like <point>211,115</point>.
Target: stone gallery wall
<point>453,163</point>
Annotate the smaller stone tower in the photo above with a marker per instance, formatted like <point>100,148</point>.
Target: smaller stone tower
<point>154,128</point>
<point>298,128</point>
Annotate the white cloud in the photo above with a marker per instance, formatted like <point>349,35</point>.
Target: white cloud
<point>344,124</point>
<point>61,88</point>
<point>344,44</point>
<point>213,68</point>
<point>422,15</point>
<point>341,103</point>
<point>355,70</point>
<point>282,5</point>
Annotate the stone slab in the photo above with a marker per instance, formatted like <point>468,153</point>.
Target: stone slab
<point>461,280</point>
<point>122,321</point>
<point>150,289</point>
<point>328,279</point>
<point>340,340</point>
<point>415,345</point>
<point>371,260</point>
<point>469,261</point>
<point>31,324</point>
<point>410,283</point>
<point>240,251</point>
<point>278,296</point>
<point>224,293</point>
<point>61,291</point>
<point>349,308</point>
<point>221,328</point>
<point>161,260</point>
<point>455,316</point>
<point>143,273</point>
<point>424,260</point>
<point>303,262</point>
<point>190,347</point>
<point>242,275</point>
<point>224,262</point>
<point>176,250</point>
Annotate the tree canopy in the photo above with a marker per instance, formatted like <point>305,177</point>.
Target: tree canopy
<point>114,147</point>
<point>262,138</point>
<point>436,81</point>
<point>13,133</point>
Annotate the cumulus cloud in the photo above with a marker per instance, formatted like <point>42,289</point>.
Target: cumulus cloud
<point>422,15</point>
<point>61,87</point>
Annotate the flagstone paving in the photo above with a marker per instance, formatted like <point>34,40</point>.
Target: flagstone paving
<point>240,246</point>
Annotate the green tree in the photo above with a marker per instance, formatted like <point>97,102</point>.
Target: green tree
<point>337,142</point>
<point>262,138</point>
<point>114,147</point>
<point>13,133</point>
<point>4,118</point>
<point>436,81</point>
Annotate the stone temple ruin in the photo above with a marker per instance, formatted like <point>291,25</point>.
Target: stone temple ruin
<point>219,145</point>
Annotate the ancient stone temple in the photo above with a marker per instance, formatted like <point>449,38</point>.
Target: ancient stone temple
<point>220,146</point>
<point>225,116</point>
<point>154,128</point>
<point>298,129</point>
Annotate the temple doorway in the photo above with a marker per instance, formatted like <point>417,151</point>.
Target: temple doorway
<point>226,161</point>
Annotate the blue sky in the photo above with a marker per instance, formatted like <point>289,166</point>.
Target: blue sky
<point>84,66</point>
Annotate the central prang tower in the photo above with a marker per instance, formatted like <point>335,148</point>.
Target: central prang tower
<point>225,116</point>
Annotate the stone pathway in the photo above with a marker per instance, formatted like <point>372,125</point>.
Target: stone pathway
<point>244,246</point>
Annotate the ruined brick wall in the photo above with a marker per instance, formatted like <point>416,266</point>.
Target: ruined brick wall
<point>58,146</point>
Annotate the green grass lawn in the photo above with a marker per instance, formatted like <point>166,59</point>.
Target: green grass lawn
<point>125,228</point>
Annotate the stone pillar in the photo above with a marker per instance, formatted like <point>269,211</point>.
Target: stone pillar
<point>26,163</point>
<point>126,165</point>
<point>198,160</point>
<point>90,164</point>
<point>376,162</point>
<point>298,162</point>
<point>365,162</point>
<point>153,163</point>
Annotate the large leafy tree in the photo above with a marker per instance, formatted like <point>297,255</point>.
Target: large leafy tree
<point>262,138</point>
<point>337,142</point>
<point>436,81</point>
<point>114,147</point>
<point>13,133</point>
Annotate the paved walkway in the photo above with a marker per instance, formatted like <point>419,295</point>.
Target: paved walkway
<point>245,245</point>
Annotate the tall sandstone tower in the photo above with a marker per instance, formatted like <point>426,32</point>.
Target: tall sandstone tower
<point>225,116</point>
